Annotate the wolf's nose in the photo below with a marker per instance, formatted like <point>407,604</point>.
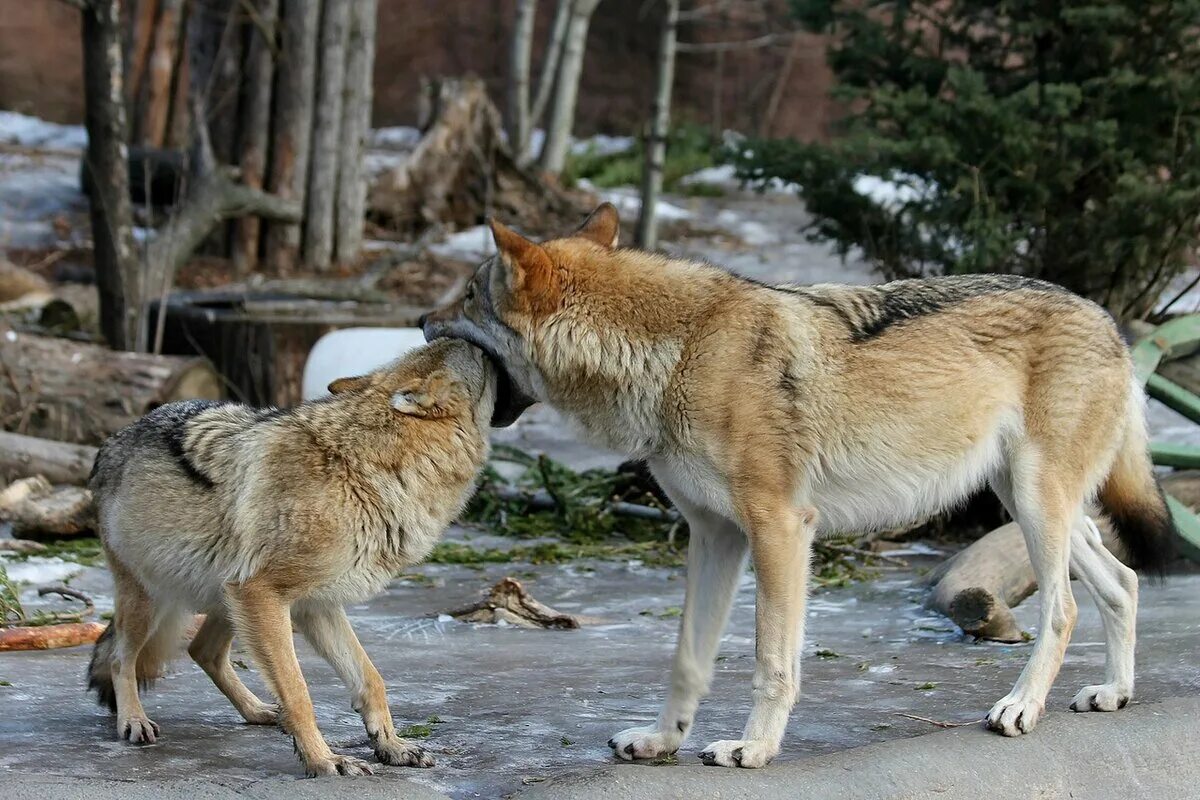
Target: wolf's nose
<point>421,320</point>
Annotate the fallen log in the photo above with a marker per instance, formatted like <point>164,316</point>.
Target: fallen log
<point>49,637</point>
<point>37,509</point>
<point>58,462</point>
<point>978,587</point>
<point>78,392</point>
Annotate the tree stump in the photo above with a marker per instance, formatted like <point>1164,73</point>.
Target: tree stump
<point>461,172</point>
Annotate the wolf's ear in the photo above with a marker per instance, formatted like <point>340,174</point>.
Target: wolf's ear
<point>529,268</point>
<point>425,397</point>
<point>342,385</point>
<point>603,226</point>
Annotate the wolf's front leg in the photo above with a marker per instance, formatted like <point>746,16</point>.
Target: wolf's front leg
<point>264,623</point>
<point>780,545</point>
<point>328,630</point>
<point>716,559</point>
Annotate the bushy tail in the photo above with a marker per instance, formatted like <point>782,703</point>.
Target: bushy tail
<point>155,654</point>
<point>99,671</point>
<point>1134,502</point>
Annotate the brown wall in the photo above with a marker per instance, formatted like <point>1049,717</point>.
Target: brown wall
<point>40,65</point>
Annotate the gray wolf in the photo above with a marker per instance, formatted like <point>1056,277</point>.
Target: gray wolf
<point>267,518</point>
<point>774,414</point>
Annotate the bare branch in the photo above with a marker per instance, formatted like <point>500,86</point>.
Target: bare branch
<point>749,44</point>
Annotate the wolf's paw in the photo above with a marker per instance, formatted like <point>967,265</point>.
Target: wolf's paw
<point>646,741</point>
<point>138,730</point>
<point>262,714</point>
<point>338,765</point>
<point>1102,697</point>
<point>1015,715</point>
<point>745,753</point>
<point>397,752</point>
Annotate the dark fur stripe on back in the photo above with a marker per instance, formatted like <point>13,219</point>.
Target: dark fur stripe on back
<point>869,311</point>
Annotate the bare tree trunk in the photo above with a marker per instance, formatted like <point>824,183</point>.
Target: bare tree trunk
<point>656,143</point>
<point>327,129</point>
<point>118,275</point>
<point>356,122</point>
<point>141,36</point>
<point>292,124</point>
<point>221,93</point>
<point>566,89</point>
<point>550,61</point>
<point>781,82</point>
<point>164,56</point>
<point>256,125</point>
<point>516,123</point>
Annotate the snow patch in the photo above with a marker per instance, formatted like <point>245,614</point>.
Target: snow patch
<point>471,244</point>
<point>629,203</point>
<point>892,194</point>
<point>41,569</point>
<point>724,176</point>
<point>601,145</point>
<point>399,137</point>
<point>25,131</point>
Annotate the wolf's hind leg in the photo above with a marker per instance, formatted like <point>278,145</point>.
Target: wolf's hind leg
<point>1045,506</point>
<point>133,623</point>
<point>210,649</point>
<point>328,630</point>
<point>264,624</point>
<point>716,560</point>
<point>1114,587</point>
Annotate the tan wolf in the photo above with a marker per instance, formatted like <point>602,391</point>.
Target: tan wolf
<point>773,414</point>
<point>265,518</point>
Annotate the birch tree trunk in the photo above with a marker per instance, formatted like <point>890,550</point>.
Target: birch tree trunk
<point>656,143</point>
<point>517,123</point>
<point>256,126</point>
<point>118,273</point>
<point>550,61</point>
<point>327,129</point>
<point>566,87</point>
<point>356,123</point>
<point>292,124</point>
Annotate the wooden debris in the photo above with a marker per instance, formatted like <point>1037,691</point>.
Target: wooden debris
<point>50,637</point>
<point>58,462</point>
<point>462,172</point>
<point>21,546</point>
<point>74,391</point>
<point>37,509</point>
<point>978,587</point>
<point>509,602</point>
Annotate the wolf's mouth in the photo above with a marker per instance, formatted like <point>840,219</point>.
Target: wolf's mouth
<point>511,402</point>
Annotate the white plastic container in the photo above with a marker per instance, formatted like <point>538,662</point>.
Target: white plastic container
<point>354,351</point>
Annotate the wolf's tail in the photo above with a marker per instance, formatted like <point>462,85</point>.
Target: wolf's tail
<point>153,658</point>
<point>1134,501</point>
<point>99,671</point>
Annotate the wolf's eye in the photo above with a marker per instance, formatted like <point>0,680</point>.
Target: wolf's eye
<point>470,295</point>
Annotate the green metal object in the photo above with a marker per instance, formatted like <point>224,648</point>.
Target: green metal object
<point>1177,456</point>
<point>1177,338</point>
<point>1174,396</point>
<point>1188,525</point>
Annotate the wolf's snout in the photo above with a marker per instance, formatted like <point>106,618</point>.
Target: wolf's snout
<point>421,321</point>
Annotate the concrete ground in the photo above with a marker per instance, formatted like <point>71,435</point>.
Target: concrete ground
<point>519,707</point>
